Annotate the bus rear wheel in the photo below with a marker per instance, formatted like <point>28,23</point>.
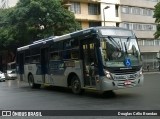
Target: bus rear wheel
<point>31,82</point>
<point>76,85</point>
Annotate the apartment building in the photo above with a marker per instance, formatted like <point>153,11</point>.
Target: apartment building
<point>136,15</point>
<point>7,3</point>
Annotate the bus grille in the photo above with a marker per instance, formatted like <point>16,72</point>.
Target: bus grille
<point>126,71</point>
<point>122,79</point>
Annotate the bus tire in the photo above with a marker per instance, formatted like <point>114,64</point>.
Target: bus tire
<point>76,85</point>
<point>31,82</point>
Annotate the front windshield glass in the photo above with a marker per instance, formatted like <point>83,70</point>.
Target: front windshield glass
<point>116,50</point>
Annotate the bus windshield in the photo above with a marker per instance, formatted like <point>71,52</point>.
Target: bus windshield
<point>116,49</point>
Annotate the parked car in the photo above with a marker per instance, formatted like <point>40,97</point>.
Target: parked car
<point>11,74</point>
<point>2,76</point>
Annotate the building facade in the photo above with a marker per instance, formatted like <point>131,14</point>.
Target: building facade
<point>136,15</point>
<point>7,3</point>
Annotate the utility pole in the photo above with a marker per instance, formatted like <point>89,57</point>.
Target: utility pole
<point>104,14</point>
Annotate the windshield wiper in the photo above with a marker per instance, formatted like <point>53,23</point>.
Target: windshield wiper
<point>128,41</point>
<point>125,47</point>
<point>114,43</point>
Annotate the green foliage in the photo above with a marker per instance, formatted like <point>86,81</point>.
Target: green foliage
<point>32,20</point>
<point>157,16</point>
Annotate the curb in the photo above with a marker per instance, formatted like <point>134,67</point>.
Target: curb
<point>151,72</point>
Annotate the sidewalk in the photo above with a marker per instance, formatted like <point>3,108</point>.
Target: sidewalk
<point>151,71</point>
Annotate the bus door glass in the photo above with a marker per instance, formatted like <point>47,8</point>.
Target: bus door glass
<point>44,64</point>
<point>56,66</point>
<point>89,62</point>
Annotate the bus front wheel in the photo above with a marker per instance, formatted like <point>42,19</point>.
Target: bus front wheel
<point>31,82</point>
<point>76,85</point>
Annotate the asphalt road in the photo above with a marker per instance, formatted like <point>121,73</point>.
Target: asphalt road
<point>15,95</point>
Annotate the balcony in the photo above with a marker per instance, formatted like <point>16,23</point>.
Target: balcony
<point>138,3</point>
<point>149,49</point>
<point>137,18</point>
<point>86,17</point>
<point>145,34</point>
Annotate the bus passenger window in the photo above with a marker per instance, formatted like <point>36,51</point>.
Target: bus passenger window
<point>67,54</point>
<point>55,56</point>
<point>27,60</point>
<point>74,54</point>
<point>35,59</point>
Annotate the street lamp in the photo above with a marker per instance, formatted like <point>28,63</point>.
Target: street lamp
<point>104,14</point>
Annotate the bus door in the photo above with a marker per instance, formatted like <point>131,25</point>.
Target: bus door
<point>45,65</point>
<point>57,69</point>
<point>89,58</point>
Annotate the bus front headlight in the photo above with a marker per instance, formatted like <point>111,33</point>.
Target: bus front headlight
<point>108,74</point>
<point>140,72</point>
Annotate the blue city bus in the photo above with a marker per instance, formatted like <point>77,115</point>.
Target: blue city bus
<point>97,58</point>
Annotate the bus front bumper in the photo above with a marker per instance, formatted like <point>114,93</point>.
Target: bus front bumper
<point>108,84</point>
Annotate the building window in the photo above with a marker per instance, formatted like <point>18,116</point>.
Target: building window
<point>137,11</point>
<point>93,24</point>
<point>93,9</point>
<point>157,42</point>
<point>139,26</point>
<point>75,7</point>
<point>125,9</point>
<point>153,0</point>
<point>117,24</point>
<point>117,10</point>
<point>149,42</point>
<point>140,42</point>
<point>128,25</point>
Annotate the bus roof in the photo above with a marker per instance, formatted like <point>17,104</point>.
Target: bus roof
<point>53,39</point>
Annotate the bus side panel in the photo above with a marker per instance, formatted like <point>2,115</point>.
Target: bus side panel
<point>56,76</point>
<point>70,67</point>
<point>35,70</point>
<point>59,80</point>
<point>49,79</point>
<point>77,68</point>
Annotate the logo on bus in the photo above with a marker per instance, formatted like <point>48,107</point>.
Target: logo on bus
<point>127,62</point>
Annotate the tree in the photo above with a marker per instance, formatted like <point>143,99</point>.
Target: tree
<point>4,27</point>
<point>157,16</point>
<point>32,20</point>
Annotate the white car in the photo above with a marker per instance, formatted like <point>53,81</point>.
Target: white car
<point>2,76</point>
<point>11,74</point>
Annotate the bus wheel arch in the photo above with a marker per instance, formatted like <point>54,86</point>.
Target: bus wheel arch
<point>31,82</point>
<point>75,83</point>
<point>69,79</point>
